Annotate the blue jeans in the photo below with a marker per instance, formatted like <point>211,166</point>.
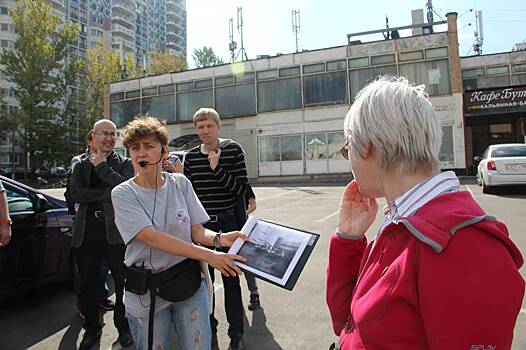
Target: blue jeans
<point>190,318</point>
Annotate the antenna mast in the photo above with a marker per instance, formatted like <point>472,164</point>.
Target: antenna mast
<point>232,46</point>
<point>296,25</point>
<point>479,35</point>
<point>429,16</point>
<point>242,50</point>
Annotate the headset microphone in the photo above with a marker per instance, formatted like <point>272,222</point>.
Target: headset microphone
<point>143,163</point>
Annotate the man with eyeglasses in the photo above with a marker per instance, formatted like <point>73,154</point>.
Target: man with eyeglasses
<point>94,232</point>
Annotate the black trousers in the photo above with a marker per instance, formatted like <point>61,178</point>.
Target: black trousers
<point>94,247</point>
<point>233,302</point>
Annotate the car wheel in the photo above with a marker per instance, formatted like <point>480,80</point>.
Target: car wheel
<point>486,188</point>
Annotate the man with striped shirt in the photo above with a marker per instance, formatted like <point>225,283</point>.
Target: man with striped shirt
<point>218,174</point>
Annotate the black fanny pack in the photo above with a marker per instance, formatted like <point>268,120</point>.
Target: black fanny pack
<point>177,283</point>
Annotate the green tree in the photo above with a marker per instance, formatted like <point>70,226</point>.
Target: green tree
<point>164,62</point>
<point>205,57</point>
<point>102,67</point>
<point>43,73</point>
<point>8,127</point>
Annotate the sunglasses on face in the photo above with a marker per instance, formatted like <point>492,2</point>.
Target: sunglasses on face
<point>345,149</point>
<point>105,134</point>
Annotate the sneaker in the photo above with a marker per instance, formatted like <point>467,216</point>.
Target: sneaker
<point>254,302</point>
<point>89,339</point>
<point>106,304</point>
<point>125,339</point>
<point>236,343</point>
<point>215,344</point>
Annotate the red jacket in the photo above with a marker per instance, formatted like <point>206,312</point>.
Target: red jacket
<point>444,278</point>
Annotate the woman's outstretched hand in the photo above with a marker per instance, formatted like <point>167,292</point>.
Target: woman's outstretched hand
<point>357,212</point>
<point>225,263</point>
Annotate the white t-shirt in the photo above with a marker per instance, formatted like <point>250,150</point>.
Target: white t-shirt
<point>177,208</point>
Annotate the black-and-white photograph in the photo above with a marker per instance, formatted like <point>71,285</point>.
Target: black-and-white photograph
<point>272,250</point>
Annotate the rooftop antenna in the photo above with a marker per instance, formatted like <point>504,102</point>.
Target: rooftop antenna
<point>296,25</point>
<point>429,15</point>
<point>479,34</point>
<point>387,35</point>
<point>232,46</point>
<point>242,50</point>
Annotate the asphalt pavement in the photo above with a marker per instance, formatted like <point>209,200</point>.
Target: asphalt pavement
<point>297,319</point>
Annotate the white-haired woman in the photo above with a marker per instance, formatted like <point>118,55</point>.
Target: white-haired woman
<point>440,273</point>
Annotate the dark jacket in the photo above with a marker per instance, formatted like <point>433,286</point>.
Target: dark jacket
<point>112,172</point>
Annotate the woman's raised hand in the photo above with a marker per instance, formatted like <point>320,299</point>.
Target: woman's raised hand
<point>357,212</point>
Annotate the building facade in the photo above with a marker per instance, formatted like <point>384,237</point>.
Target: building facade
<point>135,27</point>
<point>129,27</point>
<point>287,111</point>
<point>494,101</point>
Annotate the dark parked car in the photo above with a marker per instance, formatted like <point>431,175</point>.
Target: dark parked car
<point>39,251</point>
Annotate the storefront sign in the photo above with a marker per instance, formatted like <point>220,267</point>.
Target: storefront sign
<point>503,100</point>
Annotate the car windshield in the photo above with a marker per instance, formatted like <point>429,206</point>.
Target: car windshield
<point>510,151</point>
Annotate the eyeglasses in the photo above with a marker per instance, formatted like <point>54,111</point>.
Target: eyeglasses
<point>345,149</point>
<point>105,134</point>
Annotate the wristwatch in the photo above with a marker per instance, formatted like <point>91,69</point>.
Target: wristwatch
<point>6,221</point>
<point>217,241</point>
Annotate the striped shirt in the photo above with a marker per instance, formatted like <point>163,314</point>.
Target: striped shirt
<point>409,202</point>
<point>217,190</point>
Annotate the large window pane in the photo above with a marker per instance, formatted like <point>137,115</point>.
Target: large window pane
<point>133,94</point>
<point>314,68</point>
<point>497,70</point>
<point>161,107</point>
<point>220,81</point>
<point>358,62</point>
<point>149,91</point>
<point>289,71</point>
<point>433,74</point>
<point>316,145</point>
<point>446,156</point>
<point>245,78</point>
<point>269,149</point>
<point>336,65</point>
<point>281,94</point>
<point>383,59</point>
<point>166,89</point>
<point>436,53</point>
<point>124,111</point>
<point>268,74</point>
<point>410,56</point>
<point>117,97</point>
<point>473,84</point>
<point>236,100</point>
<point>501,81</point>
<point>518,68</point>
<point>335,141</point>
<point>199,84</point>
<point>361,77</point>
<point>518,79</point>
<point>189,102</point>
<point>475,72</point>
<point>291,147</point>
<point>330,88</point>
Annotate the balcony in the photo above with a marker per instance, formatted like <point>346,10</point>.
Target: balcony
<point>117,43</point>
<point>122,31</point>
<point>128,5</point>
<point>125,20</point>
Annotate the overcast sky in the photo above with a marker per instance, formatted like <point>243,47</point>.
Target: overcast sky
<point>267,26</point>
